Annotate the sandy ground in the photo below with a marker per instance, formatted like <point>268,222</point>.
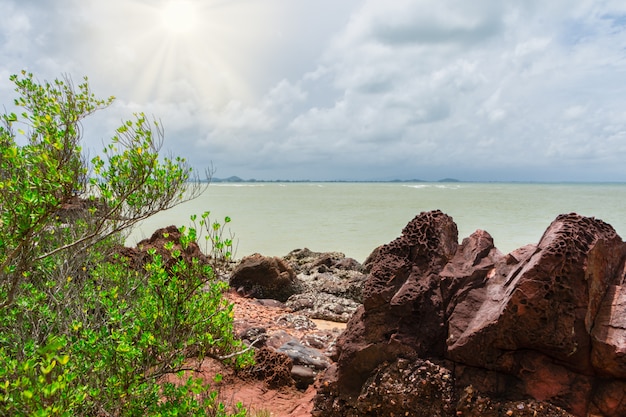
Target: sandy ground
<point>255,396</point>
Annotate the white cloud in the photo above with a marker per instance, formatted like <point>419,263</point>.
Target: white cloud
<point>358,89</point>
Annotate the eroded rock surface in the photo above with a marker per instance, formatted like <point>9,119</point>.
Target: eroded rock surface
<point>261,276</point>
<point>543,325</point>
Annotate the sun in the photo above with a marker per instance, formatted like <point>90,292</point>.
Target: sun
<point>178,47</point>
<point>179,17</point>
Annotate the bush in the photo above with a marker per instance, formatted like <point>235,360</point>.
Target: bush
<point>81,332</point>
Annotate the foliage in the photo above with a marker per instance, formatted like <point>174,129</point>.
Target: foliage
<point>81,332</point>
<point>49,173</point>
<point>221,248</point>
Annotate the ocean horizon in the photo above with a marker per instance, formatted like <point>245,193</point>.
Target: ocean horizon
<point>274,218</point>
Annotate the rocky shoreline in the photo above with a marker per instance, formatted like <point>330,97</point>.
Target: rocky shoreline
<point>430,327</point>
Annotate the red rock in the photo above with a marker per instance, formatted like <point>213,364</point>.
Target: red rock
<point>402,313</point>
<point>608,354</point>
<point>609,399</point>
<point>542,309</point>
<point>546,322</point>
<point>160,241</point>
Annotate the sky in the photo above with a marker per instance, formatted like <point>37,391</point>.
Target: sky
<point>487,90</point>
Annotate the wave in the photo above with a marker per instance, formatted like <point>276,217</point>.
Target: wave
<point>236,185</point>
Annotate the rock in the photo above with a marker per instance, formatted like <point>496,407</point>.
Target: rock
<point>533,319</point>
<point>543,325</point>
<point>265,302</point>
<point>322,340</point>
<point>264,277</point>
<point>164,241</point>
<point>307,261</point>
<point>323,306</point>
<point>77,207</point>
<point>331,285</point>
<point>303,355</point>
<point>279,338</point>
<point>419,388</point>
<point>400,308</point>
<point>303,376</point>
<point>295,321</point>
<point>329,273</point>
<point>270,366</point>
<point>476,404</point>
<point>253,335</point>
<point>609,398</point>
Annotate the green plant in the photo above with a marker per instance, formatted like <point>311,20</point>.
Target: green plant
<point>218,246</point>
<point>49,172</point>
<point>81,331</point>
<point>38,384</point>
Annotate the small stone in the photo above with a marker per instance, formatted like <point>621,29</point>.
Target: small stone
<point>303,376</point>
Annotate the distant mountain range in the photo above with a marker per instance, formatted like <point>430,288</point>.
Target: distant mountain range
<point>235,179</point>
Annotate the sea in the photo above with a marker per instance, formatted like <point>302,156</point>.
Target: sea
<point>274,218</point>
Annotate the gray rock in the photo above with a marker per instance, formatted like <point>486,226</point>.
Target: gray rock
<point>303,376</point>
<point>279,338</point>
<point>256,335</point>
<point>303,355</point>
<point>295,321</point>
<point>323,306</point>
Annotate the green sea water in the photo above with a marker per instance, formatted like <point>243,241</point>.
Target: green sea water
<point>354,218</point>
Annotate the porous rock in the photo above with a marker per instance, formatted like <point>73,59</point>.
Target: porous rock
<point>261,276</point>
<point>272,367</point>
<point>402,303</point>
<point>544,324</point>
<point>419,388</point>
<point>475,404</point>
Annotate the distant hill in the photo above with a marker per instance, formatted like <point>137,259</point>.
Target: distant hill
<point>229,179</point>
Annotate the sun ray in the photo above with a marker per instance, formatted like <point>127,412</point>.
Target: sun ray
<point>179,51</point>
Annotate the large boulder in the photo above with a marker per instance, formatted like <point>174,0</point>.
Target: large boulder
<point>533,318</point>
<point>543,323</point>
<point>261,276</point>
<point>401,303</point>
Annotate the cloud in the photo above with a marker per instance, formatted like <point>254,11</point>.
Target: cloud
<point>360,89</point>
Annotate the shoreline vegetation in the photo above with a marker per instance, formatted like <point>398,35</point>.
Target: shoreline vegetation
<point>86,328</point>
